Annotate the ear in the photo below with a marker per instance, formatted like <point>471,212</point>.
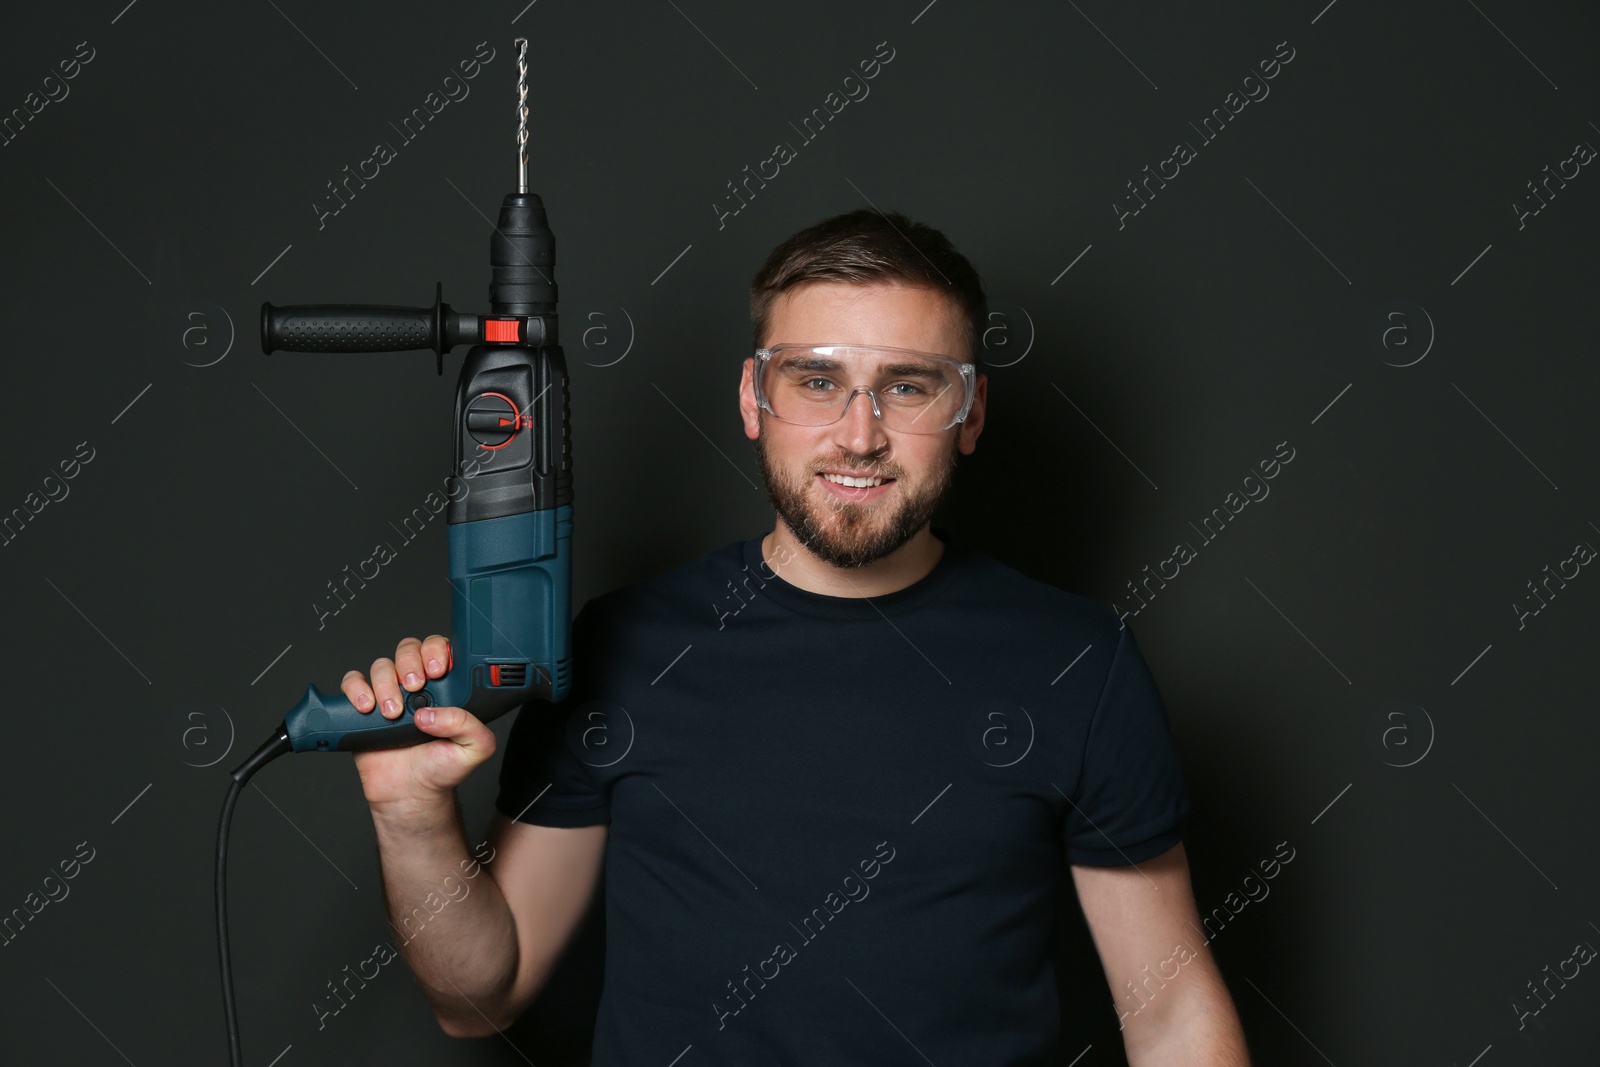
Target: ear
<point>749,410</point>
<point>967,439</point>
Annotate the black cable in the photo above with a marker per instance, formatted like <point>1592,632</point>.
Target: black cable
<point>277,746</point>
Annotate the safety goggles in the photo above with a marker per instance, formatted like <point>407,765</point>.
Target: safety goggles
<point>910,392</point>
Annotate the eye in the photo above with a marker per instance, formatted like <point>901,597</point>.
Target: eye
<point>914,390</point>
<point>808,382</point>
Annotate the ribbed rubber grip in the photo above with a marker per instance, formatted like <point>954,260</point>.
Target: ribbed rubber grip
<point>345,328</point>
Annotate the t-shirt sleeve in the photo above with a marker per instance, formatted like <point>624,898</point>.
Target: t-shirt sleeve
<point>543,780</point>
<point>1132,802</point>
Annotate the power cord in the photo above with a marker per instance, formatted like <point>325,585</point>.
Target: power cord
<point>279,745</point>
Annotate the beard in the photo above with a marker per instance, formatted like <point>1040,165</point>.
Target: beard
<point>847,534</point>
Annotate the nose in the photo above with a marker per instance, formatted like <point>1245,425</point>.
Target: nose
<point>859,430</point>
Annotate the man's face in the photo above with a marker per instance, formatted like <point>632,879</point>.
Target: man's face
<point>844,526</point>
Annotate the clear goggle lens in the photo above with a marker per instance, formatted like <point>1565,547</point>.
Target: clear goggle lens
<point>811,385</point>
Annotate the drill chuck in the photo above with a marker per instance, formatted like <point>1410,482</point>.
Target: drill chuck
<point>522,257</point>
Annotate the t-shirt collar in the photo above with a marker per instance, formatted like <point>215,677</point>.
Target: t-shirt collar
<point>771,584</point>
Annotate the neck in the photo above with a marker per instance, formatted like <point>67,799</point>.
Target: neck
<point>800,567</point>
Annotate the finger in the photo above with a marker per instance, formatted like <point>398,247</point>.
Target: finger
<point>408,663</point>
<point>436,655</point>
<point>462,727</point>
<point>386,688</point>
<point>357,691</point>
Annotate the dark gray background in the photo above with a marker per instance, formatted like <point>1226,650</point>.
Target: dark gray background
<point>1359,617</point>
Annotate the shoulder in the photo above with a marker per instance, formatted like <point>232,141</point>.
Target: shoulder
<point>991,586</point>
<point>666,597</point>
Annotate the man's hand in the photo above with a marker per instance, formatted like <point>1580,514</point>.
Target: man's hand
<point>417,779</point>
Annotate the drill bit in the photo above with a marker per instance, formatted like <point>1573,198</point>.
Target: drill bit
<point>522,113</point>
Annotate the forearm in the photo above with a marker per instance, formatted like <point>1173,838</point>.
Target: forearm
<point>1201,1030</point>
<point>453,926</point>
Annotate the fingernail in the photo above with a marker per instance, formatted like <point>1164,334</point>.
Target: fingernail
<point>390,706</point>
<point>425,716</point>
<point>433,664</point>
<point>411,677</point>
<point>363,700</point>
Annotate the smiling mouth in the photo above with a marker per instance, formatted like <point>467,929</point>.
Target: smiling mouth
<point>848,482</point>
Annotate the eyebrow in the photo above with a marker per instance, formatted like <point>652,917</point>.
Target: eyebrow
<point>897,370</point>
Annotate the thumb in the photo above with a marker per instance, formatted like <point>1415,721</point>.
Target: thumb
<point>471,743</point>
<point>458,725</point>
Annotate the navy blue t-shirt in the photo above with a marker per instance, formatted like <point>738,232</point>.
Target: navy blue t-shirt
<point>839,826</point>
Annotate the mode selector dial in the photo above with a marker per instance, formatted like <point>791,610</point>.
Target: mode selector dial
<point>493,420</point>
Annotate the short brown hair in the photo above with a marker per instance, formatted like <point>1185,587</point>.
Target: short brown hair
<point>868,246</point>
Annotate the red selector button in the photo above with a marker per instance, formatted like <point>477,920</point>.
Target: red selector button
<point>501,330</point>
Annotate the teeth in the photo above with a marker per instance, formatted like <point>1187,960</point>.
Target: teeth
<point>856,483</point>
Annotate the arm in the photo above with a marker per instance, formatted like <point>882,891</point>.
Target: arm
<point>1174,1008</point>
<point>483,947</point>
<point>480,947</point>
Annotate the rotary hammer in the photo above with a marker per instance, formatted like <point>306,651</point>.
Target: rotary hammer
<point>509,535</point>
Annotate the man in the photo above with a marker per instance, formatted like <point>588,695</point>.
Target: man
<point>835,772</point>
